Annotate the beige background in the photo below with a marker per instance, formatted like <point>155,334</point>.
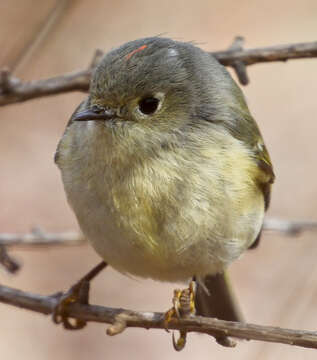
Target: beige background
<point>277,284</point>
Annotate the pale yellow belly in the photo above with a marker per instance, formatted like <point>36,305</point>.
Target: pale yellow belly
<point>160,217</point>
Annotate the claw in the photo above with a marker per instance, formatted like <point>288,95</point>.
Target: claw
<point>181,342</point>
<point>183,305</point>
<point>177,302</point>
<point>174,311</point>
<point>78,293</point>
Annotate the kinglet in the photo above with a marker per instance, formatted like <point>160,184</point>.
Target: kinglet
<point>166,169</point>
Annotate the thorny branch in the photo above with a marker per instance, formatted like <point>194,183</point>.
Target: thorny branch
<point>13,90</point>
<point>120,319</point>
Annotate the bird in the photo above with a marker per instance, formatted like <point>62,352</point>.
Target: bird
<point>166,170</point>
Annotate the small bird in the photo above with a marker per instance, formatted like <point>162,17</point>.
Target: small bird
<point>166,169</point>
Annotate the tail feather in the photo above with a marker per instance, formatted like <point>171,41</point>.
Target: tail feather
<point>219,302</point>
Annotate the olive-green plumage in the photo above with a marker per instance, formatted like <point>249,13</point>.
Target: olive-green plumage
<point>163,165</point>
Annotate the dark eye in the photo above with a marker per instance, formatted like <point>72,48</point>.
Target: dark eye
<point>148,105</point>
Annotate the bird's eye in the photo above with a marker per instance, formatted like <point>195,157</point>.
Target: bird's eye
<point>148,105</point>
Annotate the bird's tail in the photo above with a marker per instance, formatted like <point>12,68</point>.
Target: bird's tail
<point>219,300</point>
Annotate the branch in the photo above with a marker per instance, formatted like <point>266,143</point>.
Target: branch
<point>121,318</point>
<point>38,237</point>
<point>7,262</point>
<point>288,227</point>
<point>267,54</point>
<point>13,90</point>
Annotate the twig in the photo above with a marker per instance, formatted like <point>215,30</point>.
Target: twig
<point>22,91</point>
<point>96,58</point>
<point>39,237</point>
<point>239,66</point>
<point>5,83</point>
<point>39,35</point>
<point>7,262</point>
<point>150,320</point>
<point>236,57</point>
<point>288,227</point>
<point>268,54</point>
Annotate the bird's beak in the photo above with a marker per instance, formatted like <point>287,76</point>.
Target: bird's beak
<point>90,114</point>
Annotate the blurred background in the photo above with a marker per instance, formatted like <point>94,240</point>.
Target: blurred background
<point>276,284</point>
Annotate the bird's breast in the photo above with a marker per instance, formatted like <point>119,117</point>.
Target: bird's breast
<point>162,214</point>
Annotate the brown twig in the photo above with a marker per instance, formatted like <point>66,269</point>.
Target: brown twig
<point>39,35</point>
<point>5,83</point>
<point>22,91</point>
<point>239,66</point>
<point>120,319</point>
<point>12,90</point>
<point>7,262</point>
<point>268,54</point>
<point>288,227</point>
<point>39,237</point>
<point>96,58</point>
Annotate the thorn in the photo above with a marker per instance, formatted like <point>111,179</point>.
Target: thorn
<point>226,341</point>
<point>38,232</point>
<point>118,326</point>
<point>237,43</point>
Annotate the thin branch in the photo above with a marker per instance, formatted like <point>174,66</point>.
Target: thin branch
<point>18,91</point>
<point>7,261</point>
<point>13,90</point>
<point>121,318</point>
<point>40,34</point>
<point>288,227</point>
<point>39,237</point>
<point>239,66</point>
<point>268,54</point>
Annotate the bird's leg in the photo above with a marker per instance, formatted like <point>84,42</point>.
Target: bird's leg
<point>183,305</point>
<point>79,293</point>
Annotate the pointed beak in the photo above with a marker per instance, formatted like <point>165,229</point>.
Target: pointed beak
<point>90,114</point>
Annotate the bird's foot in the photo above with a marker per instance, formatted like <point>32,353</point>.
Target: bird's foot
<point>183,306</point>
<point>78,293</point>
